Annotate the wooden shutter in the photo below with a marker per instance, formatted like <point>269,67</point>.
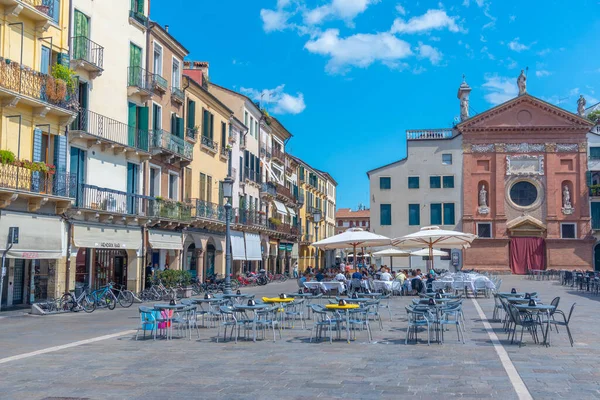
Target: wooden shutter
<point>209,189</point>
<point>191,120</point>
<point>188,183</point>
<point>173,124</point>
<point>205,123</point>
<point>221,197</point>
<point>179,126</point>
<point>223,134</point>
<point>212,126</point>
<point>141,140</point>
<point>202,187</point>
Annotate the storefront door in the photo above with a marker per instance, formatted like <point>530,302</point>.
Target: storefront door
<point>210,260</point>
<point>109,266</point>
<point>18,281</point>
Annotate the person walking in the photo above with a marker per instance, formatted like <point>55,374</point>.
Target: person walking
<point>295,270</point>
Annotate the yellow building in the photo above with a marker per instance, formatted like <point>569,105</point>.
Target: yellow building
<point>38,101</point>
<point>313,195</point>
<point>208,127</point>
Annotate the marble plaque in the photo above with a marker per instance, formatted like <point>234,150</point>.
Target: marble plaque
<point>524,165</point>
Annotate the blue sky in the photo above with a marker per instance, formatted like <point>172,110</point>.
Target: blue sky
<point>348,77</point>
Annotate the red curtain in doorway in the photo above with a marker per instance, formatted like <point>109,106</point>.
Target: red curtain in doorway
<point>526,254</point>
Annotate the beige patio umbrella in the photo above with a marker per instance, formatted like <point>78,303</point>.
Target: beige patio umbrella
<point>391,253</point>
<point>433,236</point>
<point>353,237</point>
<point>427,253</point>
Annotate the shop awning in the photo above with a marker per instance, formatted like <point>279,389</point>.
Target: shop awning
<point>253,251</point>
<point>294,251</point>
<point>106,237</point>
<point>238,247</point>
<point>291,211</point>
<point>166,240</point>
<point>40,237</point>
<point>280,207</point>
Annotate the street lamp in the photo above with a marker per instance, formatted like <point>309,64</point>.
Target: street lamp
<point>228,195</point>
<point>316,214</point>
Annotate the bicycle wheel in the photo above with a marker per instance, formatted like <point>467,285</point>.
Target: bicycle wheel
<point>66,302</point>
<point>126,298</point>
<point>88,304</point>
<point>110,300</point>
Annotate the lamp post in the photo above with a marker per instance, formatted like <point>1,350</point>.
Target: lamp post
<point>316,214</point>
<point>228,195</point>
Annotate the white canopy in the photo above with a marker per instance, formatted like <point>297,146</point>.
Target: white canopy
<point>167,240</point>
<point>106,237</point>
<point>391,252</point>
<point>353,237</point>
<point>433,236</point>
<point>291,211</point>
<point>40,236</point>
<point>253,249</point>
<point>281,209</point>
<point>427,253</point>
<point>238,247</point>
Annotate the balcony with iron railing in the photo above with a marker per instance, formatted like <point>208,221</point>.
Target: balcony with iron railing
<point>139,18</point>
<point>268,189</point>
<point>36,10</point>
<point>99,199</point>
<point>250,218</point>
<point>284,193</point>
<point>205,210</point>
<point>162,140</point>
<point>170,209</point>
<point>243,142</point>
<point>306,238</point>
<point>139,81</point>
<point>208,144</point>
<point>159,83</point>
<point>90,125</point>
<point>278,154</point>
<point>25,86</point>
<point>87,55</point>
<point>18,177</point>
<point>224,152</point>
<point>191,133</point>
<point>594,191</point>
<point>252,175</point>
<point>429,134</point>
<point>177,94</point>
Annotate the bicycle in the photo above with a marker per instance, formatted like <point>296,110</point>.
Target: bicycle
<point>124,296</point>
<point>104,297</point>
<point>69,302</point>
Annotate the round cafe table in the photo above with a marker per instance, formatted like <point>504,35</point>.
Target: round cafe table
<point>346,308</point>
<point>280,301</point>
<point>539,308</point>
<point>245,307</point>
<point>169,319</point>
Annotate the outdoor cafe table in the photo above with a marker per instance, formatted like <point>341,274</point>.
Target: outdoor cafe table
<point>244,307</point>
<point>346,308</point>
<point>278,300</point>
<point>169,307</point>
<point>540,308</point>
<point>371,295</point>
<point>309,297</point>
<point>509,294</point>
<point>237,298</point>
<point>515,300</point>
<point>355,300</point>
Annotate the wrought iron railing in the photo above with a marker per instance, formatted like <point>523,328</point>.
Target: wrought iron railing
<point>204,209</point>
<point>252,175</point>
<point>159,82</point>
<point>209,143</point>
<point>251,218</point>
<point>115,201</point>
<point>429,134</point>
<point>23,179</point>
<point>224,151</point>
<point>594,190</point>
<point>307,238</point>
<point>285,192</point>
<point>268,188</point>
<point>139,17</point>
<point>109,129</point>
<point>28,82</point>
<point>164,140</point>
<point>82,48</point>
<point>140,78</point>
<point>177,93</point>
<point>191,133</point>
<point>170,209</point>
<point>43,6</point>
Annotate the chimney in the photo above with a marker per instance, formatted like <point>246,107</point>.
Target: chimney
<point>167,28</point>
<point>463,95</point>
<point>196,68</point>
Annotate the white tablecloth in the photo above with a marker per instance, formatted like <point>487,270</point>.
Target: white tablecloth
<point>379,286</point>
<point>326,286</point>
<point>459,281</point>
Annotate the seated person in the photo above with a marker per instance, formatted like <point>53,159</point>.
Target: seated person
<point>400,276</point>
<point>319,276</point>
<point>340,277</point>
<point>302,279</point>
<point>429,283</point>
<point>385,276</point>
<point>357,275</point>
<point>417,284</point>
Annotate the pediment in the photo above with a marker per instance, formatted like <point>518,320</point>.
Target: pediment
<point>525,113</point>
<point>525,223</point>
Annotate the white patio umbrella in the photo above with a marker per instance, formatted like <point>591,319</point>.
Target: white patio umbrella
<point>427,253</point>
<point>353,237</point>
<point>391,253</point>
<point>433,236</point>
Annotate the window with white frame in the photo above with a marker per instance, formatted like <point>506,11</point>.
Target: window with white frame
<point>176,78</point>
<point>484,230</point>
<point>447,159</point>
<point>154,181</point>
<point>158,59</point>
<point>568,231</point>
<point>173,186</point>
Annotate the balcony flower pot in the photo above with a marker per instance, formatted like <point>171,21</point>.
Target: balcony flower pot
<point>43,9</point>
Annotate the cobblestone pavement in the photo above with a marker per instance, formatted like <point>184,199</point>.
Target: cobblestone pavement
<point>293,368</point>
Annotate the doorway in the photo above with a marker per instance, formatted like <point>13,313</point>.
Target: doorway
<point>527,254</point>
<point>210,260</point>
<point>191,261</point>
<point>597,257</point>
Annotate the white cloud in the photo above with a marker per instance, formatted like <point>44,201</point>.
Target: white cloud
<point>274,20</point>
<point>542,72</point>
<point>431,53</point>
<point>480,3</point>
<point>543,52</point>
<point>517,46</point>
<point>360,50</point>
<point>341,9</point>
<point>283,103</point>
<point>431,20</point>
<point>418,70</point>
<point>499,89</point>
<point>574,92</point>
<point>485,51</point>
<point>512,18</point>
<point>400,9</point>
<point>482,38</point>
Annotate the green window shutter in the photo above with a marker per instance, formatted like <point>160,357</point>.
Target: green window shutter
<point>435,214</point>
<point>595,153</point>
<point>132,123</point>
<point>191,114</point>
<point>140,6</point>
<point>221,197</point>
<point>173,124</point>
<point>205,122</point>
<point>595,215</point>
<point>141,136</point>
<point>223,134</point>
<point>414,214</point>
<point>385,214</point>
<point>212,126</point>
<point>448,182</point>
<point>144,114</point>
<point>179,126</point>
<point>449,214</point>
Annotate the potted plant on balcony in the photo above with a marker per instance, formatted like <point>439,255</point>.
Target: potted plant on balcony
<point>43,8</point>
<point>275,221</point>
<point>60,83</point>
<point>7,157</point>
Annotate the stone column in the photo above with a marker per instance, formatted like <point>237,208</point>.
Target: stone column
<point>135,269</point>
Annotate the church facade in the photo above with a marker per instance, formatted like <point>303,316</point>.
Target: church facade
<point>525,191</point>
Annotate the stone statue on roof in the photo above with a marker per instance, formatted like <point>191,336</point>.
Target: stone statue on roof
<point>581,105</point>
<point>522,83</point>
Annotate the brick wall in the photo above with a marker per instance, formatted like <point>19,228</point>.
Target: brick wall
<point>487,254</point>
<point>570,254</point>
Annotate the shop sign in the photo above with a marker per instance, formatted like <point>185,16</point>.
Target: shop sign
<point>110,245</point>
<point>282,247</point>
<point>289,246</point>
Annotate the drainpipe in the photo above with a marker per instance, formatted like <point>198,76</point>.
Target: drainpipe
<point>143,282</point>
<point>70,31</point>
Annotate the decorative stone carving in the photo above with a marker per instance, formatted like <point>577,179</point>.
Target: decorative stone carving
<point>567,147</point>
<point>466,147</point>
<point>522,83</point>
<point>583,147</point>
<point>567,207</point>
<point>550,147</point>
<point>500,147</point>
<point>581,105</point>
<point>483,207</point>
<point>482,148</point>
<point>525,148</point>
<point>524,165</point>
<point>464,108</point>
